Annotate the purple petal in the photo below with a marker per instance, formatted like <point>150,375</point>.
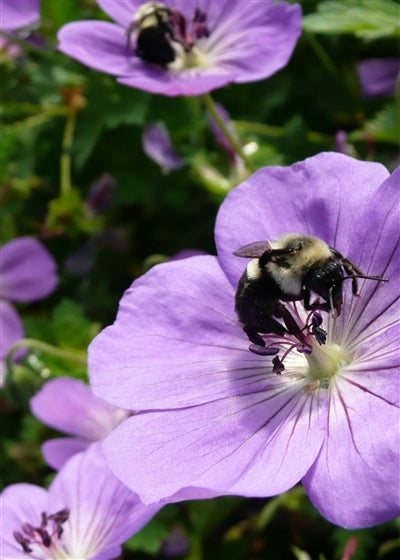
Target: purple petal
<point>122,11</point>
<point>355,480</point>
<point>98,44</point>
<point>70,406</point>
<point>56,452</point>
<point>376,250</point>
<point>324,196</point>
<point>27,270</point>
<point>11,328</point>
<point>104,512</point>
<point>176,342</point>
<point>258,444</point>
<point>20,503</point>
<point>185,82</point>
<point>18,13</point>
<point>378,76</point>
<point>157,146</point>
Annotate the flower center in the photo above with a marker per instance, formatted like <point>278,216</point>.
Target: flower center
<point>307,337</point>
<point>44,541</point>
<point>164,36</point>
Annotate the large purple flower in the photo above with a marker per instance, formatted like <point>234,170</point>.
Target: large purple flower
<point>69,405</point>
<point>27,273</point>
<point>198,46</point>
<point>18,13</point>
<point>216,419</point>
<point>86,513</point>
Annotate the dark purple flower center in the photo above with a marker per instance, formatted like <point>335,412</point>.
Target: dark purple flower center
<point>297,338</point>
<point>163,33</point>
<point>50,528</point>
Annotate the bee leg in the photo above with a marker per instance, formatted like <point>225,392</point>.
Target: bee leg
<point>317,304</point>
<point>253,335</point>
<point>351,269</point>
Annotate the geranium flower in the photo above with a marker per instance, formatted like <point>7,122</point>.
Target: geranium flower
<point>18,13</point>
<point>86,513</point>
<point>379,76</point>
<point>216,418</point>
<point>27,273</point>
<point>210,43</point>
<point>157,145</point>
<point>68,405</point>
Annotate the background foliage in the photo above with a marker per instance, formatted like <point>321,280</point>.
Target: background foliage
<point>65,127</point>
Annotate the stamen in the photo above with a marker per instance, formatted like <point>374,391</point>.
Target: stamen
<point>278,366</point>
<point>43,535</point>
<point>263,350</point>
<point>270,344</point>
<point>22,541</point>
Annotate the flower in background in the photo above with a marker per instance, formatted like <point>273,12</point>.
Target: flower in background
<point>157,146</point>
<point>196,47</point>
<point>342,145</point>
<point>379,76</point>
<point>215,418</point>
<point>68,405</point>
<point>86,513</point>
<point>15,14</point>
<point>27,273</point>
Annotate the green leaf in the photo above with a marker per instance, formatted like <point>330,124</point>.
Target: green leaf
<point>70,327</point>
<point>383,127</point>
<point>149,539</point>
<point>367,19</point>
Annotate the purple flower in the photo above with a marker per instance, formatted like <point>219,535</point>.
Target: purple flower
<point>18,13</point>
<point>68,405</point>
<point>197,45</point>
<point>157,146</point>
<point>379,76</point>
<point>86,513</point>
<point>27,273</point>
<point>215,417</point>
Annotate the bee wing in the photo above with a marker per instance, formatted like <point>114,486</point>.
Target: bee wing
<point>253,250</point>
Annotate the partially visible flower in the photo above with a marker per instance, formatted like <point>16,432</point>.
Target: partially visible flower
<point>8,50</point>
<point>379,76</point>
<point>18,13</point>
<point>217,419</point>
<point>157,146</point>
<point>87,513</point>
<point>68,405</point>
<point>27,273</point>
<point>176,544</point>
<point>101,194</point>
<point>342,145</point>
<point>209,43</point>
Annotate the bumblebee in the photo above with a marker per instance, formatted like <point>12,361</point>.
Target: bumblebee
<point>291,268</point>
<point>153,31</point>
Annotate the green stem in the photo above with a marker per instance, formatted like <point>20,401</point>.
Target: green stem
<point>36,120</point>
<point>321,53</point>
<point>212,109</point>
<point>278,131</point>
<point>65,163</point>
<point>32,343</point>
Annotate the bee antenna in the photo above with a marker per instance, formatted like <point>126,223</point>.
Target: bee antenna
<point>377,278</point>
